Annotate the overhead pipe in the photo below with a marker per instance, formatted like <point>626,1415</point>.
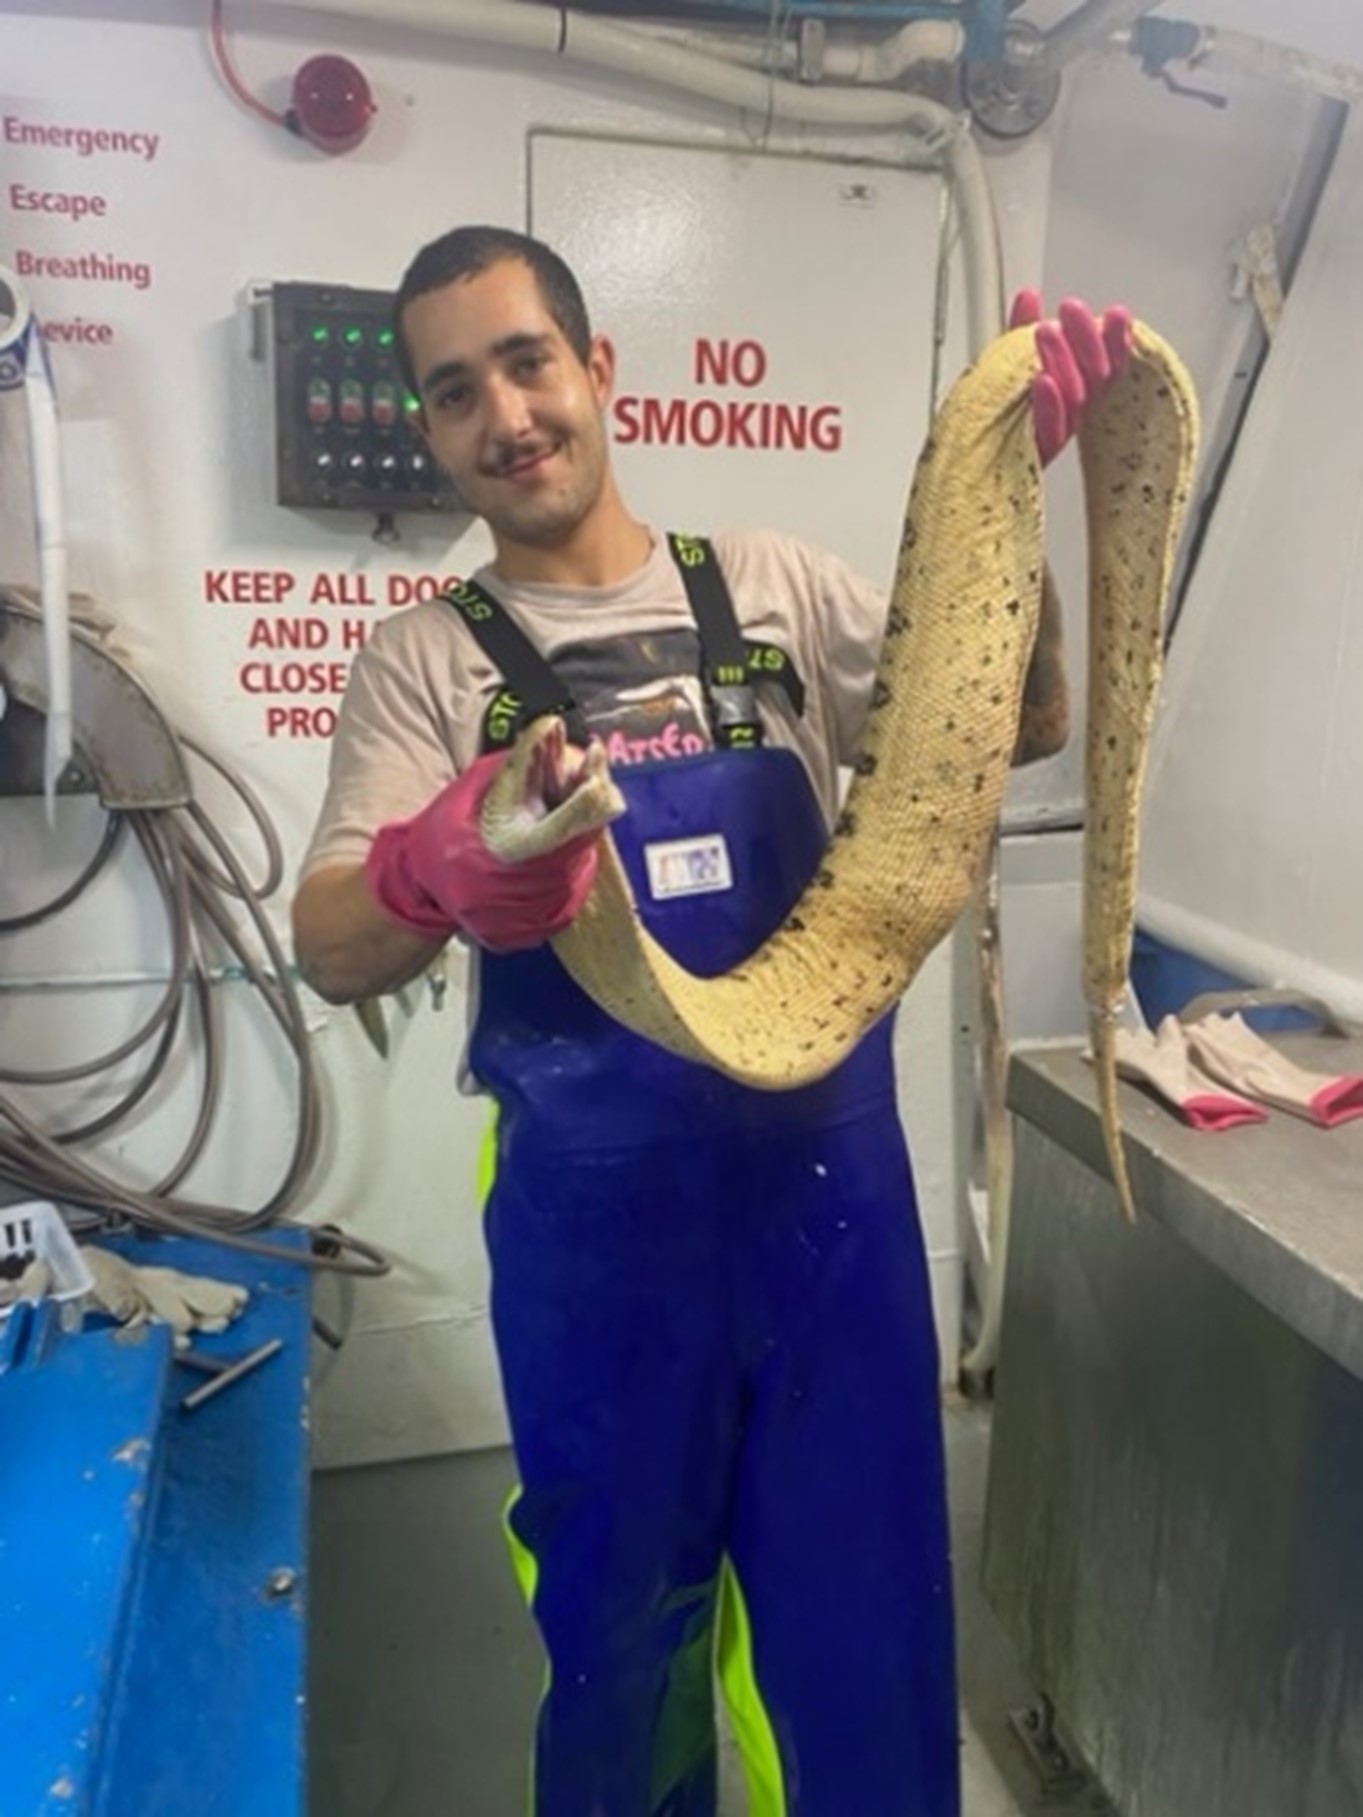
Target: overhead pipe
<point>580,38</point>
<point>915,46</point>
<point>831,12</point>
<point>1091,27</point>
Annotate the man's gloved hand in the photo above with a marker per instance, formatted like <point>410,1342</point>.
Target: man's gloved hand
<point>435,874</point>
<point>135,1295</point>
<point>1080,356</point>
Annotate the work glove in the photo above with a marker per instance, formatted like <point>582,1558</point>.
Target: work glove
<point>138,1295</point>
<point>435,873</point>
<point>1162,1062</point>
<point>1080,356</point>
<point>1228,1048</point>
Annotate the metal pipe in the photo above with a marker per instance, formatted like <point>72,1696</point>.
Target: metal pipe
<point>1090,27</point>
<point>20,984</point>
<point>225,1378</point>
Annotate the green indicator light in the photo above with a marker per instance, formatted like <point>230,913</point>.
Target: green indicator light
<point>410,401</point>
<point>385,337</point>
<point>321,333</point>
<point>353,337</point>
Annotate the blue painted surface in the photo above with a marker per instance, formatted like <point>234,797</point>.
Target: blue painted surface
<point>1165,978</point>
<point>78,1436</point>
<point>159,1675</point>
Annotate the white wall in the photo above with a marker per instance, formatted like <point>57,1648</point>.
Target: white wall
<point>1151,201</point>
<point>1253,854</point>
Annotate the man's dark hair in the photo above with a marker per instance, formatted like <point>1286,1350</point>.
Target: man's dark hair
<point>466,252</point>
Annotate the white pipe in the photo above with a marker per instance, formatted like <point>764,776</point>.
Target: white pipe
<point>915,45</point>
<point>742,48</point>
<point>935,136</point>
<point>921,41</point>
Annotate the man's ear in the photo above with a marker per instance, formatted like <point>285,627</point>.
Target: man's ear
<point>601,369</point>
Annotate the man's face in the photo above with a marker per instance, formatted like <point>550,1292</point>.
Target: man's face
<point>511,413</point>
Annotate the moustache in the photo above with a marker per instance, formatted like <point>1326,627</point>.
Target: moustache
<point>508,461</point>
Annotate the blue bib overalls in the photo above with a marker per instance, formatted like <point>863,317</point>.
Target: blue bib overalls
<point>713,1318</point>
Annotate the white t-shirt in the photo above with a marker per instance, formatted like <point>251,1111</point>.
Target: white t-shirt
<point>413,711</point>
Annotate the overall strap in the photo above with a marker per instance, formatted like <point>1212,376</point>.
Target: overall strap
<point>730,663</point>
<point>530,688</point>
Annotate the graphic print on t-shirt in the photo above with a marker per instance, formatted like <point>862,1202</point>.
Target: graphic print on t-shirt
<point>641,695</point>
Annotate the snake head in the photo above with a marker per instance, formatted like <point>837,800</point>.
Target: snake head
<point>547,793</point>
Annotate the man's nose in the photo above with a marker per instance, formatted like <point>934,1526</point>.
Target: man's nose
<point>508,413</point>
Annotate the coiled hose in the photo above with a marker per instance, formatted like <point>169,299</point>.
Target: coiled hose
<point>204,888</point>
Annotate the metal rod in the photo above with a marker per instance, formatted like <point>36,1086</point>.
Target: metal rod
<point>206,1365</point>
<point>234,1373</point>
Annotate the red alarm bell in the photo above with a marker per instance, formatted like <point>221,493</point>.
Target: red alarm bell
<point>332,105</point>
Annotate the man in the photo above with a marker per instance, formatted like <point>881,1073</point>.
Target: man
<point>711,1304</point>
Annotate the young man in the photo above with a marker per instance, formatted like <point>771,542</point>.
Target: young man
<point>711,1304</point>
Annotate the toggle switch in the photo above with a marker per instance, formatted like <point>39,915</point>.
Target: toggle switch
<point>383,405</point>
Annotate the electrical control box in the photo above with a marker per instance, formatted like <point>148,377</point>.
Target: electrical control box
<point>344,435</point>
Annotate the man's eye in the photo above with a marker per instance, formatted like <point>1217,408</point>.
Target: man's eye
<point>452,397</point>
<point>530,363</point>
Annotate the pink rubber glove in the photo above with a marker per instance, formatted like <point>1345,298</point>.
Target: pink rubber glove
<point>1080,354</point>
<point>1229,1049</point>
<point>1162,1061</point>
<point>434,874</point>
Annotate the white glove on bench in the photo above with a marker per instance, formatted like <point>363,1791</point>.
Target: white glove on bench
<point>1162,1062</point>
<point>136,1295</point>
